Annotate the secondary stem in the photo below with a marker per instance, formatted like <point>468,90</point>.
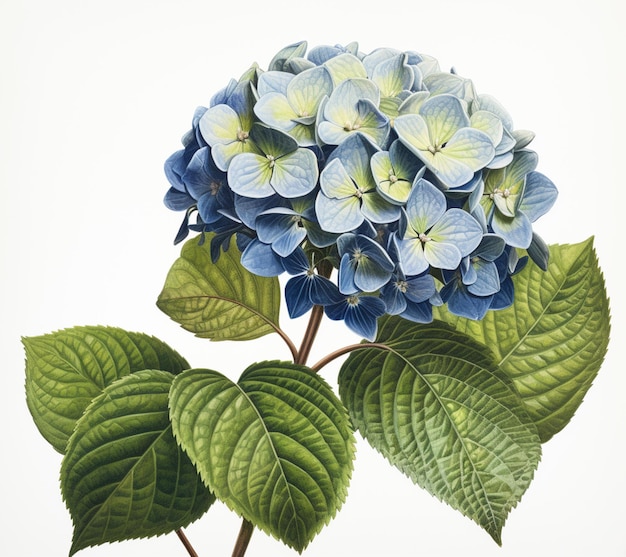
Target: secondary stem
<point>183,538</point>
<point>291,345</point>
<point>309,335</point>
<point>345,350</point>
<point>243,539</point>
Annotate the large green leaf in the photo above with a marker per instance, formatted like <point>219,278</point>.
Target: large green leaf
<point>277,447</point>
<point>124,476</point>
<point>552,341</point>
<point>66,369</point>
<point>221,300</point>
<point>433,402</point>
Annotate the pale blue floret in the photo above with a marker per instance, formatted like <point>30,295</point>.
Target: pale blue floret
<point>294,110</point>
<point>440,134</point>
<point>353,107</point>
<point>226,126</point>
<point>434,235</point>
<point>395,171</point>
<point>515,196</point>
<point>279,167</point>
<point>348,194</point>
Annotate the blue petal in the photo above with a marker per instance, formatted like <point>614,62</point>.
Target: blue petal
<point>355,154</point>
<point>459,228</point>
<point>208,208</point>
<point>297,262</point>
<point>347,272</point>
<point>491,247</point>
<point>394,298</point>
<point>368,268</point>
<point>274,223</point>
<point>516,231</point>
<point>289,241</point>
<point>370,276</point>
<point>418,312</point>
<point>425,206</point>
<point>504,298</point>
<point>323,291</point>
<point>174,168</point>
<point>249,208</point>
<point>487,280</point>
<point>177,200</point>
<point>242,100</point>
<point>362,317</point>
<point>260,259</point>
<point>464,304</point>
<point>539,196</point>
<point>338,215</point>
<point>295,174</point>
<point>412,258</point>
<point>221,97</point>
<point>274,82</point>
<point>468,271</point>
<point>337,312</point>
<point>368,247</point>
<point>297,295</point>
<point>420,288</point>
<point>202,175</point>
<point>320,54</point>
<point>249,175</point>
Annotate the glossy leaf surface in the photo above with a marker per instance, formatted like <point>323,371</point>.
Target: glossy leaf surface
<point>276,447</point>
<point>219,300</point>
<point>553,339</point>
<point>67,369</point>
<point>124,476</point>
<point>433,402</point>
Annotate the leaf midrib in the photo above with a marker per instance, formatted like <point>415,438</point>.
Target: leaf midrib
<point>541,315</point>
<point>276,457</point>
<point>235,302</point>
<point>149,450</point>
<point>452,423</point>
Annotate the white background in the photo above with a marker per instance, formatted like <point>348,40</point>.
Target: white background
<point>96,95</point>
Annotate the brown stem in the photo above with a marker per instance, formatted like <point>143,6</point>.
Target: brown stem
<point>291,345</point>
<point>186,543</point>
<point>309,335</point>
<point>345,350</point>
<point>243,539</point>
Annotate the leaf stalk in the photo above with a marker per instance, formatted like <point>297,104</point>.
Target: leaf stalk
<point>243,539</point>
<point>183,538</point>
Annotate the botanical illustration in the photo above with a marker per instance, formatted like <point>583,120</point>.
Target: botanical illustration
<point>376,189</point>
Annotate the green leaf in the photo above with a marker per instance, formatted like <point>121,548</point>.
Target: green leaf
<point>277,447</point>
<point>552,341</point>
<point>124,476</point>
<point>67,369</point>
<point>433,402</point>
<point>221,300</point>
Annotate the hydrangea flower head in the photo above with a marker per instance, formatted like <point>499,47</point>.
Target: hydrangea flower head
<point>377,181</point>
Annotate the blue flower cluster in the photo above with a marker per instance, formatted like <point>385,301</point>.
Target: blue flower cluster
<point>378,182</point>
